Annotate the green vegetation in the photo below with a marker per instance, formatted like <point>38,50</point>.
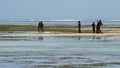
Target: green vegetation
<point>55,28</point>
<point>18,28</point>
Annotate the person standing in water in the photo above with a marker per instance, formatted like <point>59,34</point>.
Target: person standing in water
<point>79,27</point>
<point>42,26</point>
<point>93,27</point>
<point>98,28</point>
<point>39,26</point>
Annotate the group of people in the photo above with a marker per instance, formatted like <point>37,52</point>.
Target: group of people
<point>98,26</point>
<point>95,28</point>
<point>40,27</point>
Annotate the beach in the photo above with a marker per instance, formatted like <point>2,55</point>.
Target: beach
<point>59,46</point>
<point>59,34</point>
<point>64,35</point>
<point>58,30</point>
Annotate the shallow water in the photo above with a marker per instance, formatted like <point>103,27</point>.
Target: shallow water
<point>59,52</point>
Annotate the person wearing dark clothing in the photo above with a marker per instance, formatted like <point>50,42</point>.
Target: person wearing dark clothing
<point>79,27</point>
<point>93,27</point>
<point>42,25</point>
<point>39,26</point>
<point>99,24</point>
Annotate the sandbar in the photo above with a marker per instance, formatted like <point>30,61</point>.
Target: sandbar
<point>63,34</point>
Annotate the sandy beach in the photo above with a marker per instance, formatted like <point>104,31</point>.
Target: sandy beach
<point>63,34</point>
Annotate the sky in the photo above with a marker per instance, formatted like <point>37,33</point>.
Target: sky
<point>59,9</point>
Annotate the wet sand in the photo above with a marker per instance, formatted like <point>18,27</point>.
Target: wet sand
<point>63,34</point>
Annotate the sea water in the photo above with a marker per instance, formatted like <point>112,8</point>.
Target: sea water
<point>61,22</point>
<point>59,52</point>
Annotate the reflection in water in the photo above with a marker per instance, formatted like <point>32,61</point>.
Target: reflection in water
<point>79,38</point>
<point>40,38</point>
<point>102,39</point>
<point>59,39</point>
<point>96,37</point>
